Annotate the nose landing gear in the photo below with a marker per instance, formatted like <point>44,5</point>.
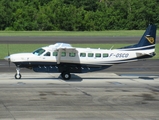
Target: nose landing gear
<point>18,75</point>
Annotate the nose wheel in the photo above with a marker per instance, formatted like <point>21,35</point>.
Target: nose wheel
<point>18,75</point>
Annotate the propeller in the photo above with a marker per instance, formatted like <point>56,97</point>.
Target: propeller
<point>8,57</point>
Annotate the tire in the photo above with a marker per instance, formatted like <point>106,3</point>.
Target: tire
<point>18,76</point>
<point>66,75</point>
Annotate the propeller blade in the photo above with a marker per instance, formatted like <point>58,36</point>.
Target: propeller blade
<point>8,50</point>
<point>8,58</point>
<point>9,61</point>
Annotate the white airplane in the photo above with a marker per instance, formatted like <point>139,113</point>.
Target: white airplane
<point>63,58</point>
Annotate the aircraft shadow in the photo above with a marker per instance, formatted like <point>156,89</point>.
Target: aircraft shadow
<point>77,78</point>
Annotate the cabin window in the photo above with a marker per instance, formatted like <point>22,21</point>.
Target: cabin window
<point>63,54</point>
<point>55,53</point>
<point>90,54</point>
<point>72,54</point>
<point>38,52</point>
<point>82,54</point>
<point>47,54</point>
<point>105,55</point>
<point>98,55</point>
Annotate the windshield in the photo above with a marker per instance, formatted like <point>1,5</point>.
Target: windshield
<point>39,51</point>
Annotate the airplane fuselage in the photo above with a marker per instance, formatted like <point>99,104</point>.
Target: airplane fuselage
<point>76,60</point>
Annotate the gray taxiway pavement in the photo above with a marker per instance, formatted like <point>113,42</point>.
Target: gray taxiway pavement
<point>123,92</point>
<point>67,39</point>
<point>91,96</point>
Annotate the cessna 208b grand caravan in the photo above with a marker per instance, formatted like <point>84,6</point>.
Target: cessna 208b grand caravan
<point>63,58</point>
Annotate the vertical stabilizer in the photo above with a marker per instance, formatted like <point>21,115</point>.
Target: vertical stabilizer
<point>149,37</point>
<point>147,41</point>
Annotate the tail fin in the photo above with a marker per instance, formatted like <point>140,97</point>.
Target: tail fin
<point>148,39</point>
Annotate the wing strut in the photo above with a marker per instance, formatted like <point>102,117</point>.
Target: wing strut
<point>59,56</point>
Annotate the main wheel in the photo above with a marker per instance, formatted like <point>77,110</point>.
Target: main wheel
<point>66,75</point>
<point>18,76</point>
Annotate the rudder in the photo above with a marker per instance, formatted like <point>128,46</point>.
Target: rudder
<point>149,37</point>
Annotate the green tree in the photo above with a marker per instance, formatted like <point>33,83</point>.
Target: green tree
<point>75,15</point>
<point>142,13</point>
<point>88,5</point>
<point>25,16</point>
<point>6,15</point>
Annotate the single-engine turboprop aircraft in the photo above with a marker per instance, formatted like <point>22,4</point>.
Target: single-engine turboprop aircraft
<point>63,58</point>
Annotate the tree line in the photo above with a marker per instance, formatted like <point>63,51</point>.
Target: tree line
<point>77,15</point>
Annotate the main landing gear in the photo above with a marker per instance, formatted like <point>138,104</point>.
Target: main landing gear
<point>18,75</point>
<point>66,75</point>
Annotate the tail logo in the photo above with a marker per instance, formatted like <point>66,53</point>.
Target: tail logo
<point>150,39</point>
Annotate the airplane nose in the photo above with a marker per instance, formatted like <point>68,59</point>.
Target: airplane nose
<point>7,58</point>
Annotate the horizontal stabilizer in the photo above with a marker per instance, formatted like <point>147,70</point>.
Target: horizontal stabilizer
<point>145,55</point>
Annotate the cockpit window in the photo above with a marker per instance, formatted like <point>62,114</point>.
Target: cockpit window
<point>39,51</point>
<point>47,54</point>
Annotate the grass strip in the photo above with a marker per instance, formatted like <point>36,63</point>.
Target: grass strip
<point>75,33</point>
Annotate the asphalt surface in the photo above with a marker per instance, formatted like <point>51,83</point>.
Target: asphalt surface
<point>92,96</point>
<point>67,39</point>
